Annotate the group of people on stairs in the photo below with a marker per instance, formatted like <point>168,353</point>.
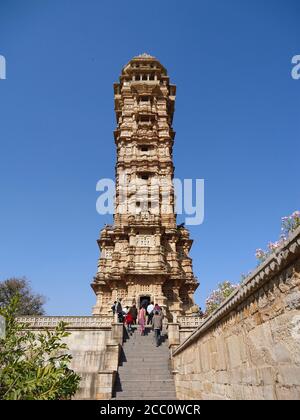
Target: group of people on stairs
<point>147,314</point>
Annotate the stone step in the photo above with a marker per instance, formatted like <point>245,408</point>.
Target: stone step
<point>146,338</point>
<point>141,382</point>
<point>140,352</point>
<point>139,363</point>
<point>165,375</point>
<point>147,369</point>
<point>145,398</point>
<point>140,357</point>
<point>134,367</point>
<point>146,394</point>
<point>149,343</point>
<point>146,345</point>
<point>161,375</point>
<point>145,361</point>
<point>161,385</point>
<point>153,357</point>
<point>133,390</point>
<point>154,385</point>
<point>150,376</point>
<point>150,333</point>
<point>149,350</point>
<point>152,351</point>
<point>149,336</point>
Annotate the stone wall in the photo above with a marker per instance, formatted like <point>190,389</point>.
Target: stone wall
<point>250,347</point>
<point>94,344</point>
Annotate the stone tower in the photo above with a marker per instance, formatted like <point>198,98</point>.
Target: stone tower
<point>144,254</point>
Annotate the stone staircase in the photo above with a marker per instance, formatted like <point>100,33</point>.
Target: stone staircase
<point>144,372</point>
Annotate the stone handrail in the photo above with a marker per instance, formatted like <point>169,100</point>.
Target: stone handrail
<point>189,321</point>
<point>276,262</point>
<point>71,321</point>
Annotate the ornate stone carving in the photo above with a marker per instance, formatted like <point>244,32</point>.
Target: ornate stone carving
<point>146,254</point>
<point>41,322</point>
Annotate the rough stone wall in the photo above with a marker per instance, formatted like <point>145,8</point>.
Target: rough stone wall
<point>250,347</point>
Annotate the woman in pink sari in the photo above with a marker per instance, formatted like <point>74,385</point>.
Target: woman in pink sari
<point>142,320</point>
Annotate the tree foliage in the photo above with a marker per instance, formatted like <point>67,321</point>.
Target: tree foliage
<point>30,303</point>
<point>34,366</point>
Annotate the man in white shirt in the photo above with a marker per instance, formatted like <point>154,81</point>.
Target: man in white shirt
<point>150,313</point>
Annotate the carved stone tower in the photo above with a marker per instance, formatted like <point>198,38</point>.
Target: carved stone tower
<point>144,254</point>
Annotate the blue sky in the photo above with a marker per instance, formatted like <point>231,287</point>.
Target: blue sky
<point>236,118</point>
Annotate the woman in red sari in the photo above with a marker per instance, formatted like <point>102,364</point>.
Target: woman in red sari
<point>142,320</point>
<point>129,322</point>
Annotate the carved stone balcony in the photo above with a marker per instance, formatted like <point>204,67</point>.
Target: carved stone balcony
<point>51,322</point>
<point>190,321</point>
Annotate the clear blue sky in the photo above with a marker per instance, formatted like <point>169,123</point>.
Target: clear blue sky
<point>237,124</point>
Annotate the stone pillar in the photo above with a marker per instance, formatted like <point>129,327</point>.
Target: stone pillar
<point>97,308</point>
<point>157,238</point>
<point>176,308</point>
<point>114,293</point>
<point>130,299</point>
<point>117,330</point>
<point>132,238</point>
<point>173,336</point>
<point>160,299</point>
<point>191,301</point>
<point>107,375</point>
<point>109,367</point>
<point>105,384</point>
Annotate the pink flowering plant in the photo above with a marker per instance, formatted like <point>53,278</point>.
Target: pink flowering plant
<point>219,295</point>
<point>288,225</point>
